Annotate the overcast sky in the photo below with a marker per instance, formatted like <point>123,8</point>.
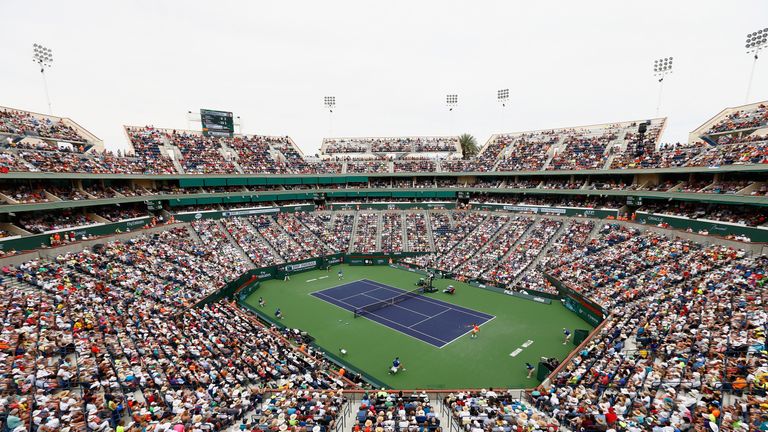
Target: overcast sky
<point>389,63</point>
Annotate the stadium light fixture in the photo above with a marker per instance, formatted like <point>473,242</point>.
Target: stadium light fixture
<point>661,68</point>
<point>451,101</point>
<point>503,97</point>
<point>43,56</point>
<point>330,102</point>
<point>756,41</point>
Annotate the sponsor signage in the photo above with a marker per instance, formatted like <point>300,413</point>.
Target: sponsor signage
<point>301,266</point>
<point>247,212</point>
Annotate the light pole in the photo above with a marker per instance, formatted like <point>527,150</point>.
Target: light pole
<point>661,68</point>
<point>44,57</point>
<point>330,104</point>
<point>756,41</point>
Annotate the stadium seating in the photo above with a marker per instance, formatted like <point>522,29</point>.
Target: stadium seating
<point>396,411</point>
<point>129,329</point>
<point>408,145</point>
<point>487,409</point>
<point>25,123</point>
<point>733,137</point>
<point>665,343</point>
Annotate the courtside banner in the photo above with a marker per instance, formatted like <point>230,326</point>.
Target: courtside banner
<point>537,299</point>
<point>301,266</point>
<point>248,212</point>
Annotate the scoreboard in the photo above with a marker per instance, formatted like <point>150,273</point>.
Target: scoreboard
<point>634,201</point>
<point>217,123</point>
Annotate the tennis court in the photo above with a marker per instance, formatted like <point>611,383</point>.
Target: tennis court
<point>428,319</point>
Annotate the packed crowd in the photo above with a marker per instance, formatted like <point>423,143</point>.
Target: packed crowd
<point>368,166</point>
<point>492,411</point>
<point>569,149</point>
<point>682,346</point>
<point>333,229</point>
<point>479,238</point>
<point>37,223</point>
<point>109,336</point>
<point>364,239</point>
<point>417,236</point>
<point>489,259</point>
<point>252,242</point>
<point>26,194</point>
<point>391,232</point>
<point>287,237</point>
<point>29,124</point>
<point>714,212</point>
<point>525,252</point>
<point>200,154</point>
<point>94,341</point>
<point>527,152</point>
<point>567,246</point>
<point>415,165</point>
<point>750,118</point>
<point>583,151</point>
<point>332,146</point>
<point>384,411</point>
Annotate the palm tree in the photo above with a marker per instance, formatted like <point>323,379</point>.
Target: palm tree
<point>468,146</point>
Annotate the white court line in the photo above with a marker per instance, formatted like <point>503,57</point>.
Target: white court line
<point>322,277</point>
<point>527,343</point>
<point>427,299</point>
<point>380,285</point>
<point>392,305</point>
<point>459,336</point>
<point>311,280</point>
<point>337,286</point>
<point>427,319</point>
<point>515,352</point>
<point>361,293</point>
<point>385,319</point>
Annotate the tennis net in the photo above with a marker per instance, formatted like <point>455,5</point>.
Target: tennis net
<point>388,302</point>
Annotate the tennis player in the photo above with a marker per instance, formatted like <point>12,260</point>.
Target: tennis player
<point>567,334</point>
<point>530,369</point>
<point>475,331</point>
<point>395,366</point>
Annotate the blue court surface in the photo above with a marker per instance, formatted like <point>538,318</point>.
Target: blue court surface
<point>430,320</point>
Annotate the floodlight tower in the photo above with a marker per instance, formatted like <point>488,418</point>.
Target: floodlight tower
<point>330,104</point>
<point>661,68</point>
<point>44,57</point>
<point>756,41</point>
<point>451,102</point>
<point>502,96</point>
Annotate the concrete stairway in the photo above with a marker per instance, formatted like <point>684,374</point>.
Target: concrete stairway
<point>519,239</point>
<point>557,148</point>
<point>378,230</point>
<point>404,232</point>
<point>193,234</point>
<point>489,244</point>
<point>559,233</point>
<point>263,240</point>
<point>430,237</point>
<point>235,244</point>
<point>354,230</point>
<point>595,230</point>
